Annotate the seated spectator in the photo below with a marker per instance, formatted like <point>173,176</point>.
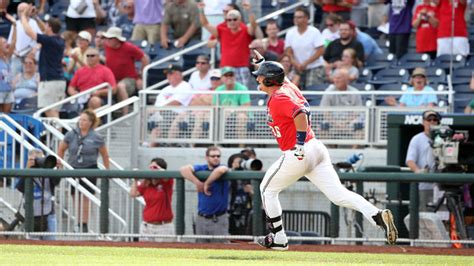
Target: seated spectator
<point>99,43</point>
<point>333,53</point>
<point>158,211</point>
<point>91,75</point>
<point>371,48</point>
<point>425,21</point>
<point>273,43</point>
<point>6,52</point>
<point>348,62</point>
<point>331,32</point>
<point>341,83</point>
<point>290,72</point>
<point>69,45</point>
<point>125,20</point>
<point>418,82</point>
<point>25,85</point>
<point>78,54</point>
<point>181,19</point>
<point>470,107</point>
<point>200,79</point>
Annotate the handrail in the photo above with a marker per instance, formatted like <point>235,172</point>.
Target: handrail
<point>38,113</point>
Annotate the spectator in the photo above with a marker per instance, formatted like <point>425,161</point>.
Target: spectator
<point>158,212</point>
<point>147,20</point>
<point>425,21</point>
<point>420,157</point>
<point>69,45</point>
<point>331,32</point>
<point>91,75</point>
<point>99,43</point>
<point>341,83</point>
<point>333,53</point>
<point>375,13</point>
<point>52,86</point>
<point>120,57</point>
<point>235,39</point>
<point>43,198</point>
<point>125,21</point>
<point>200,79</point>
<point>273,43</point>
<point>181,18</point>
<point>25,45</point>
<point>261,47</point>
<point>470,106</point>
<point>359,12</point>
<point>341,8</point>
<point>249,152</point>
<point>25,85</point>
<point>459,44</point>
<point>84,145</point>
<point>399,20</point>
<point>305,46</point>
<point>371,48</point>
<point>349,63</point>
<point>214,10</point>
<point>418,82</point>
<point>6,52</point>
<point>290,72</point>
<point>213,195</point>
<point>78,54</point>
<point>81,15</point>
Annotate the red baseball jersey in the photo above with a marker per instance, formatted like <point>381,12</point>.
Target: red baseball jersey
<point>282,107</point>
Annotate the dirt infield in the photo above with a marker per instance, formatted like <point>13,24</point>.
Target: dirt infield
<point>253,246</point>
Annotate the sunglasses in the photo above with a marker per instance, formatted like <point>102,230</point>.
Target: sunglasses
<point>215,78</point>
<point>215,156</point>
<point>432,120</point>
<point>201,63</point>
<point>91,55</point>
<point>231,19</point>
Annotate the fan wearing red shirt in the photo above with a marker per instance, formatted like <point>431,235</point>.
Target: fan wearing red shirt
<point>341,8</point>
<point>460,43</point>
<point>303,155</point>
<point>235,38</point>
<point>425,20</point>
<point>158,213</point>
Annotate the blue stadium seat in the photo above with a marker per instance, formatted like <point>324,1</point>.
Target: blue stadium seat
<point>318,87</point>
<point>462,75</point>
<point>436,75</point>
<point>155,75</point>
<point>413,60</point>
<point>443,61</point>
<point>310,242</point>
<point>461,100</point>
<point>463,88</point>
<point>390,75</point>
<point>364,75</point>
<point>378,62</point>
<point>293,233</point>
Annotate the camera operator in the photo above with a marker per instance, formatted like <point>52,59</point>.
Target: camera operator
<point>43,194</point>
<point>420,158</point>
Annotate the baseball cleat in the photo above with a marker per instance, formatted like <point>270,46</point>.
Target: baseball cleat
<point>384,219</point>
<point>267,242</point>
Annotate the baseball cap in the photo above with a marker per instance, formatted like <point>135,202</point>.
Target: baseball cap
<point>215,73</point>
<point>431,113</point>
<point>85,35</point>
<point>226,70</point>
<point>173,67</point>
<point>419,71</point>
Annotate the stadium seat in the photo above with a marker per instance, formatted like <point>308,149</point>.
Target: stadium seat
<point>290,233</point>
<point>462,75</point>
<point>378,62</point>
<point>413,60</point>
<point>436,75</point>
<point>155,75</point>
<point>310,242</point>
<point>364,75</point>
<point>26,106</point>
<point>380,99</point>
<point>443,61</point>
<point>461,100</point>
<point>390,75</point>
<point>318,87</point>
<point>465,88</point>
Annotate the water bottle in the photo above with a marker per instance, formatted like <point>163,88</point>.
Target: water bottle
<point>354,158</point>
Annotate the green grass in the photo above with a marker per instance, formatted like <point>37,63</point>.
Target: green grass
<point>68,255</point>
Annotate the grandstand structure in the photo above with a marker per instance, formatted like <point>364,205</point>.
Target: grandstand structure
<point>131,138</point>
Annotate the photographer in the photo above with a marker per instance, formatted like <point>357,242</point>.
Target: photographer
<point>420,158</point>
<point>43,193</point>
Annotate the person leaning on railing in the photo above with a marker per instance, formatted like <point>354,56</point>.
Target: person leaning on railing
<point>158,212</point>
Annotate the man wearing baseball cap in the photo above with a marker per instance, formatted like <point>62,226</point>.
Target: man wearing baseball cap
<point>420,158</point>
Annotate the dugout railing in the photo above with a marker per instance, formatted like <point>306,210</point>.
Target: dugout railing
<point>255,178</point>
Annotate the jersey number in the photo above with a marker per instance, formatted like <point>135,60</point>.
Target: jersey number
<point>276,131</point>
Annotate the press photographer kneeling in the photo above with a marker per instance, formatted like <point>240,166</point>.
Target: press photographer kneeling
<point>43,193</point>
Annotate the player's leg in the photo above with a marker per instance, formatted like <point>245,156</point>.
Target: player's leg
<point>284,172</point>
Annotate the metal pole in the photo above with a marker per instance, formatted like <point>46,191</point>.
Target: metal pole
<point>257,223</point>
<point>104,206</point>
<point>334,220</point>
<point>180,205</point>
<point>359,218</point>
<point>29,212</point>
<point>413,209</point>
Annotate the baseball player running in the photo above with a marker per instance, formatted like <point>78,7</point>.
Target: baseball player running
<point>303,155</point>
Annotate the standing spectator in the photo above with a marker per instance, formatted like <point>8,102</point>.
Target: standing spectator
<point>420,157</point>
<point>78,54</point>
<point>125,21</point>
<point>359,12</point>
<point>84,145</point>
<point>43,198</point>
<point>349,63</point>
<point>235,39</point>
<point>375,13</point>
<point>460,43</point>
<point>91,75</point>
<point>25,45</point>
<point>331,32</point>
<point>342,8</point>
<point>333,53</point>
<point>273,43</point>
<point>425,21</point>
<point>341,83</point>
<point>25,85</point>
<point>52,86</point>
<point>305,45</point>
<point>290,72</point>
<point>214,13</point>
<point>200,79</point>
<point>158,212</point>
<point>181,18</point>
<point>418,82</point>
<point>262,48</point>
<point>213,195</point>
<point>81,15</point>
<point>399,20</point>
<point>120,57</point>
<point>6,52</point>
<point>147,20</point>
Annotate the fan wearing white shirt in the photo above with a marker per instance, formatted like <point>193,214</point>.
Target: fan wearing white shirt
<point>200,79</point>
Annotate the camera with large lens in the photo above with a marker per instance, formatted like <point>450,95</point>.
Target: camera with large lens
<point>48,162</point>
<point>251,164</point>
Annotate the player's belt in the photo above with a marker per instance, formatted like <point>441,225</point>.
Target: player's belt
<point>212,216</point>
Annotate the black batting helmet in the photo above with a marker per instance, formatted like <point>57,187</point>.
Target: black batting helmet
<point>272,71</point>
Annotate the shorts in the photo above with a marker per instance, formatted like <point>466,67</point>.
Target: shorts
<point>79,24</point>
<point>93,180</point>
<point>130,86</point>
<point>460,45</point>
<point>50,92</point>
<point>151,33</point>
<point>6,97</point>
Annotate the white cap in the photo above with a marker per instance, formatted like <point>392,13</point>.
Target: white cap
<point>216,73</point>
<point>85,35</point>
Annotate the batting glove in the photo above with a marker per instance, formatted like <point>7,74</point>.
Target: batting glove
<point>299,151</point>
